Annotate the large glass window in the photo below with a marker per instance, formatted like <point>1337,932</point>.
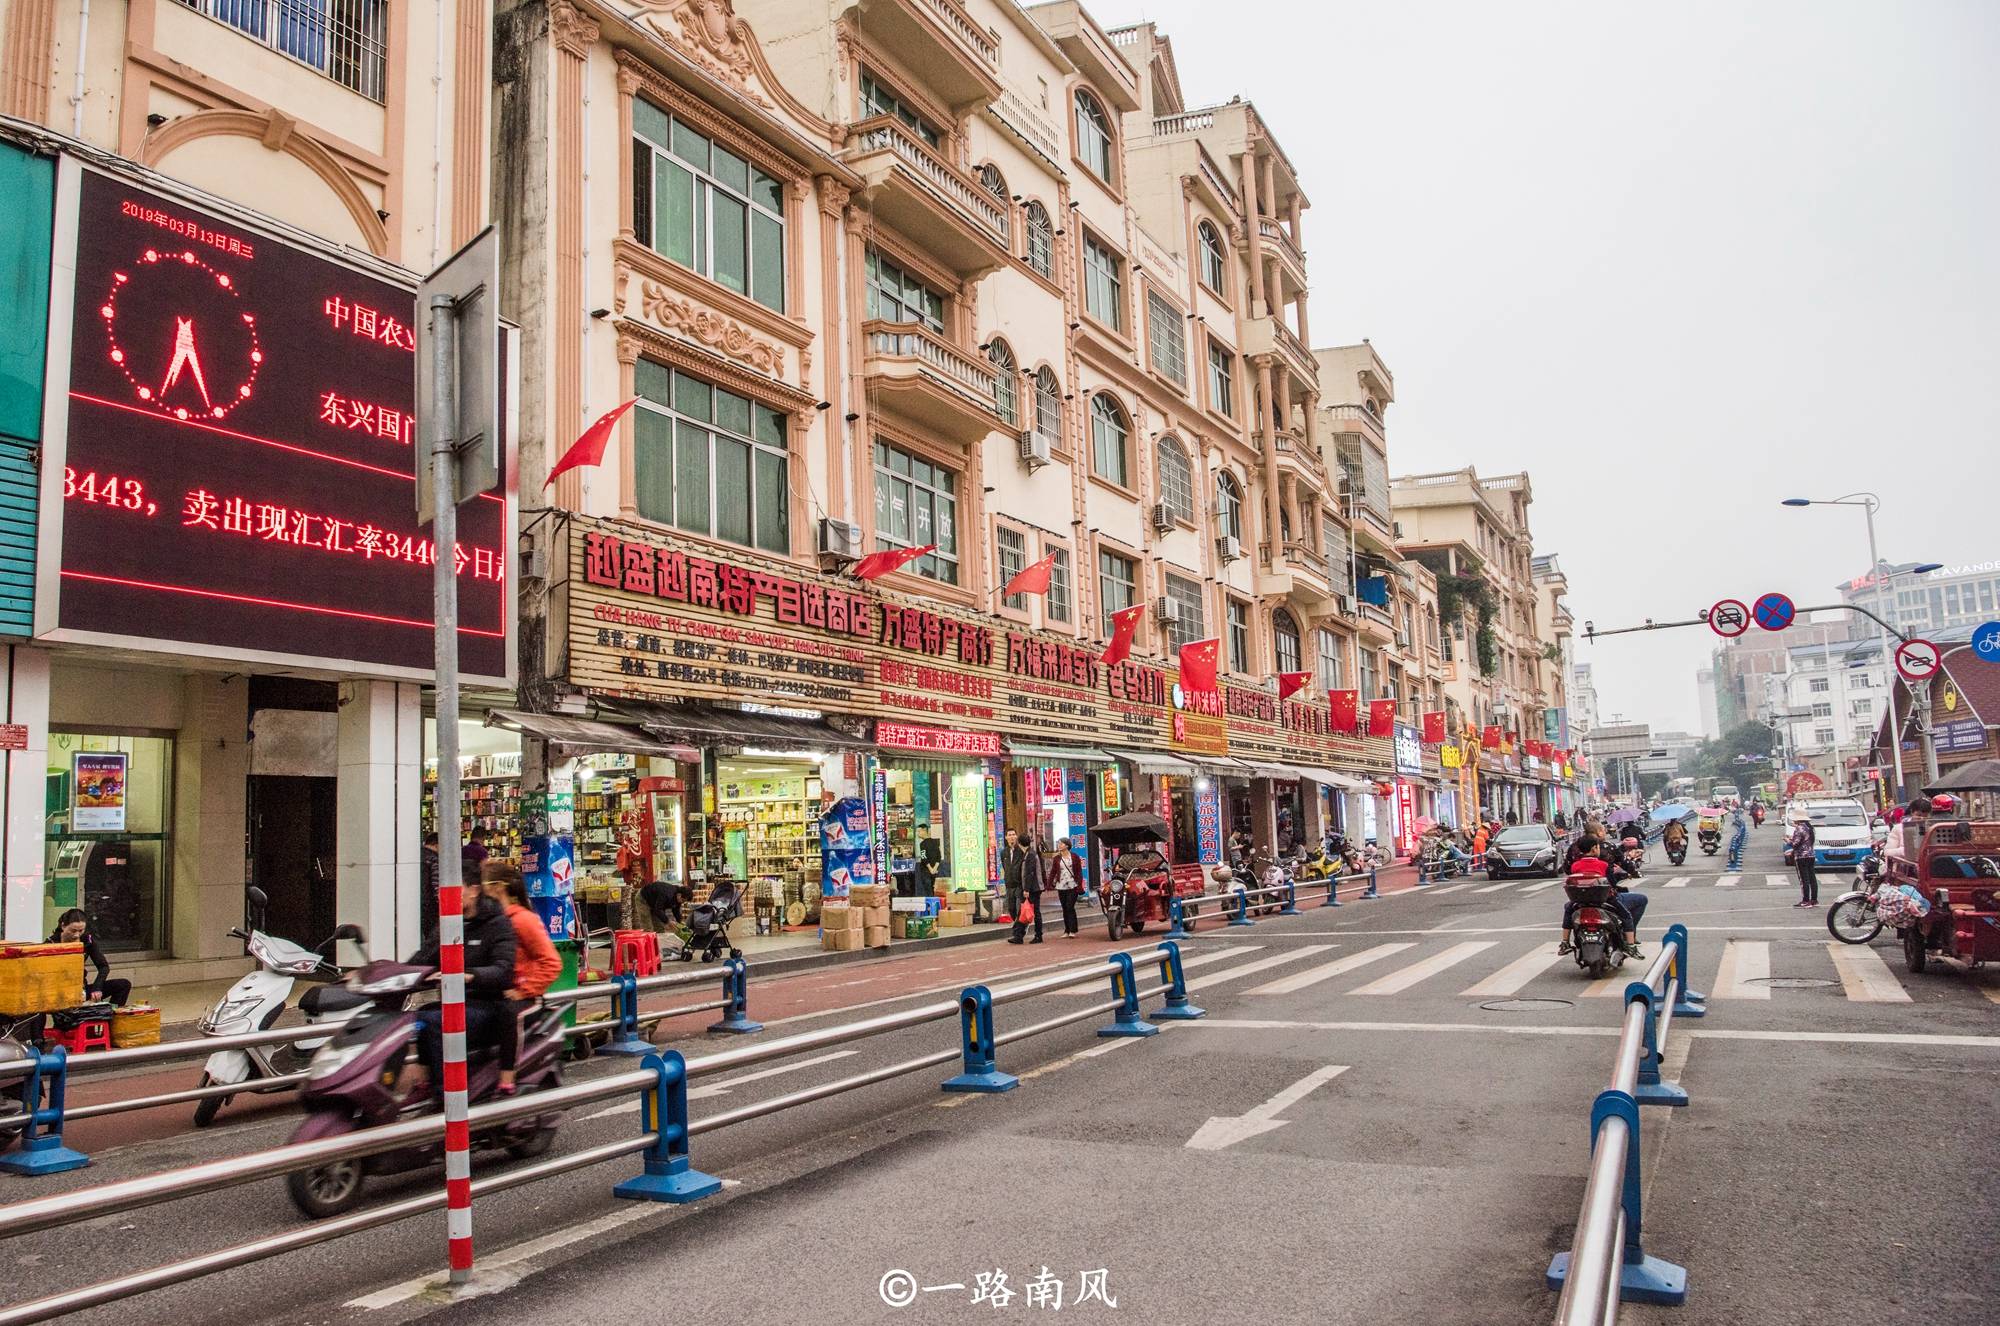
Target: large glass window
<point>1011,547</point>
<point>1117,584</point>
<point>1103,284</point>
<point>1048,406</point>
<point>894,295</point>
<point>109,845</point>
<point>1332,661</point>
<point>995,183</point>
<point>1058,596</point>
<point>704,207</point>
<point>877,99</point>
<point>344,39</point>
<point>1228,507</point>
<point>1213,270</point>
<point>1370,678</point>
<point>1285,640</point>
<point>709,461</point>
<point>1167,338</point>
<point>1093,136</point>
<point>1176,478</point>
<point>916,502</point>
<point>1108,435</point>
<point>1041,250</point>
<point>1193,622</point>
<point>1221,379</point>
<point>1239,637</point>
<point>1006,382</point>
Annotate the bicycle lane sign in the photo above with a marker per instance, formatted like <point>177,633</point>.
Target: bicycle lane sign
<point>1986,643</point>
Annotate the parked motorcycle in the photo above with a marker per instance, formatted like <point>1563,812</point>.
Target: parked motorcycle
<point>256,1002</point>
<point>16,1037</point>
<point>351,1085</point>
<point>1596,929</point>
<point>1853,918</point>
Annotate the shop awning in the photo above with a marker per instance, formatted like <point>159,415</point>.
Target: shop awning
<point>1324,777</point>
<point>701,726</point>
<point>1146,762</point>
<point>587,735</point>
<point>920,762</point>
<point>1067,757</point>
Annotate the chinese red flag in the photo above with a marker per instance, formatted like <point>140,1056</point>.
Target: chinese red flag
<point>1124,625</point>
<point>1381,718</point>
<point>1291,683</point>
<point>1490,738</point>
<point>589,449</point>
<point>1434,728</point>
<point>878,564</point>
<point>1346,706</point>
<point>1031,579</point>
<point>1198,665</point>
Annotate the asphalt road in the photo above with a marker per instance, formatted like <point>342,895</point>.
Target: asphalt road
<point>1389,1105</point>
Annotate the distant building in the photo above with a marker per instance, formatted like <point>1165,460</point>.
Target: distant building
<point>1711,721</point>
<point>1582,700</point>
<point>1948,603</point>
<point>1834,694</point>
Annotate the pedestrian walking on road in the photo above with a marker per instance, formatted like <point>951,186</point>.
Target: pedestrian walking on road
<point>1067,880</point>
<point>1029,890</point>
<point>1739,836</point>
<point>1013,864</point>
<point>1802,842</point>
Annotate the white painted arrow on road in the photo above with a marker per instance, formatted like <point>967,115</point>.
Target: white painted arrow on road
<point>1219,1133</point>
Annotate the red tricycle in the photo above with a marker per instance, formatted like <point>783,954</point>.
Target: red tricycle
<point>1140,887</point>
<point>1958,874</point>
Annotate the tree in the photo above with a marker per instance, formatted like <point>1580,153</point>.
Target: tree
<point>1716,761</point>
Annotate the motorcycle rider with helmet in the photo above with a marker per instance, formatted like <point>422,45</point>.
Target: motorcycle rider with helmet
<point>1596,859</point>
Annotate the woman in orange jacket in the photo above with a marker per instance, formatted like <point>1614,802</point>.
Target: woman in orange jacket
<point>536,962</point>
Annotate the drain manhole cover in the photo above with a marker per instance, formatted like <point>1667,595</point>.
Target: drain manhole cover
<point>1792,982</point>
<point>1525,1005</point>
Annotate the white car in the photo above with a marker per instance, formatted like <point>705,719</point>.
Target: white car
<point>1842,836</point>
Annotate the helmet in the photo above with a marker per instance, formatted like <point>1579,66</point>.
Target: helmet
<point>1629,843</point>
<point>1943,804</point>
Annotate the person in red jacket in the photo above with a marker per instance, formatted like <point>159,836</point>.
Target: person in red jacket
<point>536,962</point>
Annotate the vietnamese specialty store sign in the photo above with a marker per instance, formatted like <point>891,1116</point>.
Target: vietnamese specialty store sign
<point>238,453</point>
<point>1409,750</point>
<point>98,802</point>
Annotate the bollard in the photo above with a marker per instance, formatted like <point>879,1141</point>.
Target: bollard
<point>1291,907</point>
<point>1242,916</point>
<point>41,1143</point>
<point>1332,888</point>
<point>975,1023</point>
<point>1125,989</point>
<point>1651,1090</point>
<point>736,989</point>
<point>1177,1008</point>
<point>1642,1279</point>
<point>1371,885</point>
<point>627,1040</point>
<point>1423,872</point>
<point>1175,931</point>
<point>1689,1003</point>
<point>663,1110</point>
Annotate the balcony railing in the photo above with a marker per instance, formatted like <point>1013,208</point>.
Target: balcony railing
<point>975,37</point>
<point>908,341</point>
<point>1299,555</point>
<point>1290,445</point>
<point>1289,339</point>
<point>886,131</point>
<point>1278,235</point>
<point>1187,122</point>
<point>1358,414</point>
<point>347,40</point>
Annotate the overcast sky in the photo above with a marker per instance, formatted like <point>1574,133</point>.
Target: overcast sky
<point>1676,261</point>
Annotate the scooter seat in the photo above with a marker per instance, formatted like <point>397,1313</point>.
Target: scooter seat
<point>325,999</point>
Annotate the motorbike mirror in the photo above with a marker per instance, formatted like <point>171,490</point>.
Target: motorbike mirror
<point>352,932</point>
<point>257,896</point>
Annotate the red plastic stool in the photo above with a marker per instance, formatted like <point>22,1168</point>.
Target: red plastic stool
<point>93,1034</point>
<point>636,951</point>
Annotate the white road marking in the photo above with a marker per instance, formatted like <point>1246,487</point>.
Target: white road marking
<point>1515,974</point>
<point>1728,881</point>
<point>1495,888</point>
<point>1777,881</point>
<point>1251,968</point>
<point>1398,981</point>
<point>1530,1029</point>
<point>1864,976</point>
<point>1743,961</point>
<point>1219,1133</point>
<point>1326,971</point>
<point>1434,891</point>
<point>1679,882</point>
<point>1606,986</point>
<point>1141,968</point>
<point>1537,888</point>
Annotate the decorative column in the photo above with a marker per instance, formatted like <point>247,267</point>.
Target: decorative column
<point>572,34</point>
<point>1246,169</point>
<point>471,89</point>
<point>1268,445</point>
<point>833,199</point>
<point>628,427</point>
<point>628,87</point>
<point>24,703</point>
<point>1305,328</point>
<point>1292,213</point>
<point>378,793</point>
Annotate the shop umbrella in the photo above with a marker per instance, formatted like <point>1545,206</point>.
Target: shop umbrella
<point>1978,776</point>
<point>1129,829</point>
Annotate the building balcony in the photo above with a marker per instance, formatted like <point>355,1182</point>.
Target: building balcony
<point>917,374</point>
<point>959,59</point>
<point>1300,573</point>
<point>1374,622</point>
<point>1270,336</point>
<point>916,191</point>
<point>1358,419</point>
<point>1279,241</point>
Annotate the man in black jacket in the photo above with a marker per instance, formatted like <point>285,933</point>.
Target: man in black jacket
<point>1013,871</point>
<point>489,971</point>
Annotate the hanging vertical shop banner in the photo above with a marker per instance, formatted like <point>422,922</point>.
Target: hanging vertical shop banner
<point>1110,799</point>
<point>1078,792</point>
<point>1406,817</point>
<point>99,799</point>
<point>847,847</point>
<point>878,818</point>
<point>968,832</point>
<point>996,816</point>
<point>1208,825</point>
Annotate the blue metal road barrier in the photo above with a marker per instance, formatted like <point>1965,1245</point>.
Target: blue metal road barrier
<point>1332,889</point>
<point>40,1149</point>
<point>1177,1008</point>
<point>1641,1278</point>
<point>668,1176</point>
<point>1291,907</point>
<point>1372,893</point>
<point>1242,916</point>
<point>1650,1089</point>
<point>1125,989</point>
<point>626,1039</point>
<point>975,1022</point>
<point>1176,930</point>
<point>1689,1003</point>
<point>736,990</point>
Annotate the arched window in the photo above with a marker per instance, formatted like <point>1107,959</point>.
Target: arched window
<point>1048,406</point>
<point>1176,478</point>
<point>1041,252</point>
<point>1108,435</point>
<point>1093,136</point>
<point>1285,641</point>
<point>995,183</point>
<point>1229,508</point>
<point>1006,390</point>
<point>1213,270</point>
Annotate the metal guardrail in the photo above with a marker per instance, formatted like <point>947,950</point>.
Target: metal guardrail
<point>660,1080</point>
<point>1182,923</point>
<point>1607,1264</point>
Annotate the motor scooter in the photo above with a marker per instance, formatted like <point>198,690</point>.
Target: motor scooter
<point>1711,839</point>
<point>351,1085</point>
<point>1596,929</point>
<point>256,1002</point>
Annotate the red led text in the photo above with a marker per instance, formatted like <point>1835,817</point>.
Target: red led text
<point>360,416</point>
<point>369,324</point>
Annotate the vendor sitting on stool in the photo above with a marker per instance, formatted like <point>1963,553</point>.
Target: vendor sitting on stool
<point>73,927</point>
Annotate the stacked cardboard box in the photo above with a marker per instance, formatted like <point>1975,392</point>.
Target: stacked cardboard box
<point>841,926</point>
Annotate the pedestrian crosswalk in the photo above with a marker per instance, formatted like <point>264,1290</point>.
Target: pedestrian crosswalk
<point>1656,880</point>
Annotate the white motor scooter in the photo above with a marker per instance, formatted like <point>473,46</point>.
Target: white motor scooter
<point>256,1002</point>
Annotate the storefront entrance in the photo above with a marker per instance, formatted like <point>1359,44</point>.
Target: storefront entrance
<point>109,844</point>
<point>292,852</point>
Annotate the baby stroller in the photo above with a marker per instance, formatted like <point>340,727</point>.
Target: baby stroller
<point>707,930</point>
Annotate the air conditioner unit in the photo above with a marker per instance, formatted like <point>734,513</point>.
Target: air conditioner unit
<point>1034,449</point>
<point>1229,548</point>
<point>1166,611</point>
<point>1163,517</point>
<point>1344,603</point>
<point>839,538</point>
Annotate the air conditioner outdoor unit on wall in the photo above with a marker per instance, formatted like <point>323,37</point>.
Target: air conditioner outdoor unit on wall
<point>1166,611</point>
<point>1163,517</point>
<point>1034,449</point>
<point>839,538</point>
<point>1229,548</point>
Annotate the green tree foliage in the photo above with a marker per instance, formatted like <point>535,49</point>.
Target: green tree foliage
<point>1716,761</point>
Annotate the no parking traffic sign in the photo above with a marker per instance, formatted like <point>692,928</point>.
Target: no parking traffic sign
<point>1729,618</point>
<point>1775,612</point>
<point>1917,660</point>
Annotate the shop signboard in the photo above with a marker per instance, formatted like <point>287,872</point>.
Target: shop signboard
<point>1078,794</point>
<point>969,868</point>
<point>98,804</point>
<point>1959,736</point>
<point>937,740</point>
<point>878,818</point>
<point>1208,825</point>
<point>657,616</point>
<point>1406,817</point>
<point>231,471</point>
<point>847,847</point>
<point>1110,800</point>
<point>1409,750</point>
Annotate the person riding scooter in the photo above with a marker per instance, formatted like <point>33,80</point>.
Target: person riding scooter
<point>1675,839</point>
<point>489,973</point>
<point>1595,860</point>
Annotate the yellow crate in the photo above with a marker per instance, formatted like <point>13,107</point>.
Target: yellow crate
<point>40,978</point>
<point>138,1024</point>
